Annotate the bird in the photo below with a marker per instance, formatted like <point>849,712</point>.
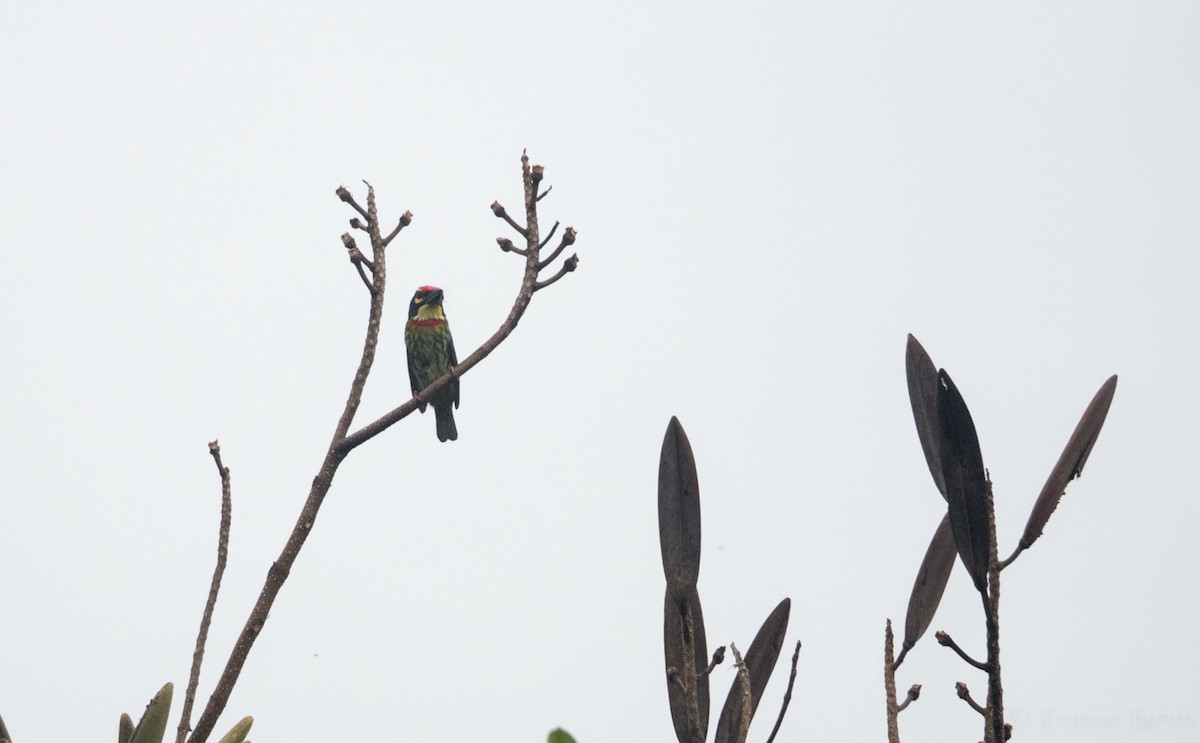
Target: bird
<point>430,354</point>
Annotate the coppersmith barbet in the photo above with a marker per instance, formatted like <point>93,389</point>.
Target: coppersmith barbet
<point>430,355</point>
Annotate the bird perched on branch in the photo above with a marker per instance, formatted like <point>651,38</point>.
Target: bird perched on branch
<point>430,355</point>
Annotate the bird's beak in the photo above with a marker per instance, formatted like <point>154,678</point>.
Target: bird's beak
<point>434,297</point>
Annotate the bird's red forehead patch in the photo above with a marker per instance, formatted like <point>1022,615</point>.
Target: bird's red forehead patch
<point>427,288</point>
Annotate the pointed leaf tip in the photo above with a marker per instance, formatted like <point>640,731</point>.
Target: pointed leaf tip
<point>678,511</point>
<point>238,733</point>
<point>153,725</point>
<point>930,584</point>
<point>922,378</point>
<point>1070,463</point>
<point>760,661</point>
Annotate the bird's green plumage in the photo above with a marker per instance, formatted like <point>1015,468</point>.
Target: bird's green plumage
<point>430,354</point>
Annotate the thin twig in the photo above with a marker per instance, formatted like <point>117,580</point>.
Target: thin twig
<point>344,194</point>
<point>743,681</point>
<point>500,212</point>
<point>568,238</point>
<point>965,695</point>
<point>718,657</point>
<point>214,448</point>
<point>889,685</point>
<point>567,267</point>
<point>543,194</point>
<point>914,693</point>
<point>363,275</point>
<point>945,640</point>
<point>547,238</point>
<point>405,220</point>
<point>787,695</point>
<point>507,246</point>
<point>280,569</point>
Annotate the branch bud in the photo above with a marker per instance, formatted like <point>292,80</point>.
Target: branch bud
<point>352,248</point>
<point>405,219</point>
<point>505,244</point>
<point>568,237</point>
<point>571,263</point>
<point>344,195</point>
<point>537,175</point>
<point>498,210</point>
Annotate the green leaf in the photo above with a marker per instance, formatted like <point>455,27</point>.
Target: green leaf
<point>238,733</point>
<point>153,725</point>
<point>124,728</point>
<point>558,735</point>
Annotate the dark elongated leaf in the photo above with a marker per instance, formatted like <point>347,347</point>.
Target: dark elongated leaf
<point>1070,463</point>
<point>930,584</point>
<point>922,395</point>
<point>674,629</point>
<point>678,511</point>
<point>760,662</point>
<point>965,479</point>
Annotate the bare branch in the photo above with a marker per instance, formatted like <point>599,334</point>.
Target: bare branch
<point>347,197</point>
<point>546,239</point>
<point>500,212</point>
<point>787,695</point>
<point>965,695</point>
<point>567,267</point>
<point>343,442</point>
<point>743,681</point>
<point>507,246</point>
<point>280,569</point>
<point>405,220</point>
<point>529,285</point>
<point>543,194</point>
<point>718,657</point>
<point>945,640</point>
<point>889,685</point>
<point>568,238</point>
<point>214,448</point>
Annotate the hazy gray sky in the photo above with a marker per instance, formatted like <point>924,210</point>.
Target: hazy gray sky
<point>769,197</point>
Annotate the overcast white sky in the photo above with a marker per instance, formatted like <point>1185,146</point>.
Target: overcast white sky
<point>769,197</point>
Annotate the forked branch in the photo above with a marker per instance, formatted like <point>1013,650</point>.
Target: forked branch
<point>343,442</point>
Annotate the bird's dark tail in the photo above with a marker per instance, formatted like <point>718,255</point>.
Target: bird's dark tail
<point>446,430</point>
